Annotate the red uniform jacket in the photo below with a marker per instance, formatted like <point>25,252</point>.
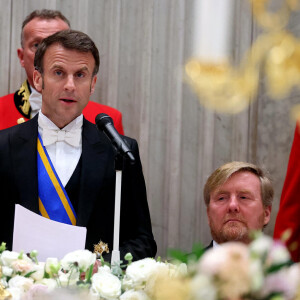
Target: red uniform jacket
<point>9,114</point>
<point>289,210</point>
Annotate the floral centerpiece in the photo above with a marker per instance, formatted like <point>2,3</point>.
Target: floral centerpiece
<point>261,271</point>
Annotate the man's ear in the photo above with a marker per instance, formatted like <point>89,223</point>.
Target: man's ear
<point>267,212</point>
<point>38,81</point>
<point>21,56</point>
<point>93,83</point>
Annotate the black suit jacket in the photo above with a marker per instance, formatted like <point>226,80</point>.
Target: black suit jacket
<point>18,183</point>
<point>210,246</point>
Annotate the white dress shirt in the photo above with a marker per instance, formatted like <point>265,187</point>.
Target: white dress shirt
<point>215,244</point>
<point>64,156</point>
<point>35,100</point>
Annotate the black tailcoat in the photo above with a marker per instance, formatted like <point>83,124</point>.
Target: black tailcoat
<point>95,208</point>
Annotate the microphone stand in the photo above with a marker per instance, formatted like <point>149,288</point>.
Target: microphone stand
<point>115,257</point>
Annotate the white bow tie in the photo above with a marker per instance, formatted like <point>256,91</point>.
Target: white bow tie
<point>51,136</point>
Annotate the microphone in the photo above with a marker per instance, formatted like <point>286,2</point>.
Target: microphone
<point>105,123</point>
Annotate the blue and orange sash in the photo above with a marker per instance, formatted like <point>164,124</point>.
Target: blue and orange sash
<point>54,202</point>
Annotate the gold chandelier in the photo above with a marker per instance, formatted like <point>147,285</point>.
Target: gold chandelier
<point>276,53</point>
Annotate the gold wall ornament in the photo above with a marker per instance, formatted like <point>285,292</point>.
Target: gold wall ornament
<point>276,53</point>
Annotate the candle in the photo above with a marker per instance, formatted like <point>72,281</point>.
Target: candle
<point>212,29</point>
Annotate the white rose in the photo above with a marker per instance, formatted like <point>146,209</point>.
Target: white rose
<point>202,288</point>
<point>84,259</point>
<point>138,272</point>
<point>177,270</point>
<point>134,295</point>
<point>4,282</point>
<point>211,261</point>
<point>160,272</point>
<point>7,271</point>
<point>22,265</point>
<point>214,260</point>
<point>104,269</point>
<point>20,282</point>
<point>7,257</point>
<point>260,246</point>
<point>278,254</point>
<point>106,285</point>
<point>39,270</point>
<point>68,279</point>
<point>285,281</point>
<point>256,274</point>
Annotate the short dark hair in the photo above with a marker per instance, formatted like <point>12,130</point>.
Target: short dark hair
<point>69,39</point>
<point>44,14</point>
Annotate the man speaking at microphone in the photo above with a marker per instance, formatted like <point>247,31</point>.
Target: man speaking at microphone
<point>59,165</point>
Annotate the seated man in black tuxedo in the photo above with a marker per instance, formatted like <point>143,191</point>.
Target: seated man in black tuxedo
<point>59,165</point>
<point>238,198</point>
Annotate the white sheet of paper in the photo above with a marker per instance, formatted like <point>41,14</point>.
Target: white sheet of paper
<point>49,238</point>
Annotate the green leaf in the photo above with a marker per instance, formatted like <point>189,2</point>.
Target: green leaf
<point>275,296</point>
<point>21,255</point>
<point>89,273</point>
<point>33,256</point>
<point>2,247</point>
<point>29,274</point>
<point>178,255</point>
<point>197,250</point>
<point>275,268</point>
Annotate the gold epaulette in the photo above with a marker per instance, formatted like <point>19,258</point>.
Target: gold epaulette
<point>25,93</point>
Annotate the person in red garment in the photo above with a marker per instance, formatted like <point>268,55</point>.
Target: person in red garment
<point>288,217</point>
<point>24,104</point>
